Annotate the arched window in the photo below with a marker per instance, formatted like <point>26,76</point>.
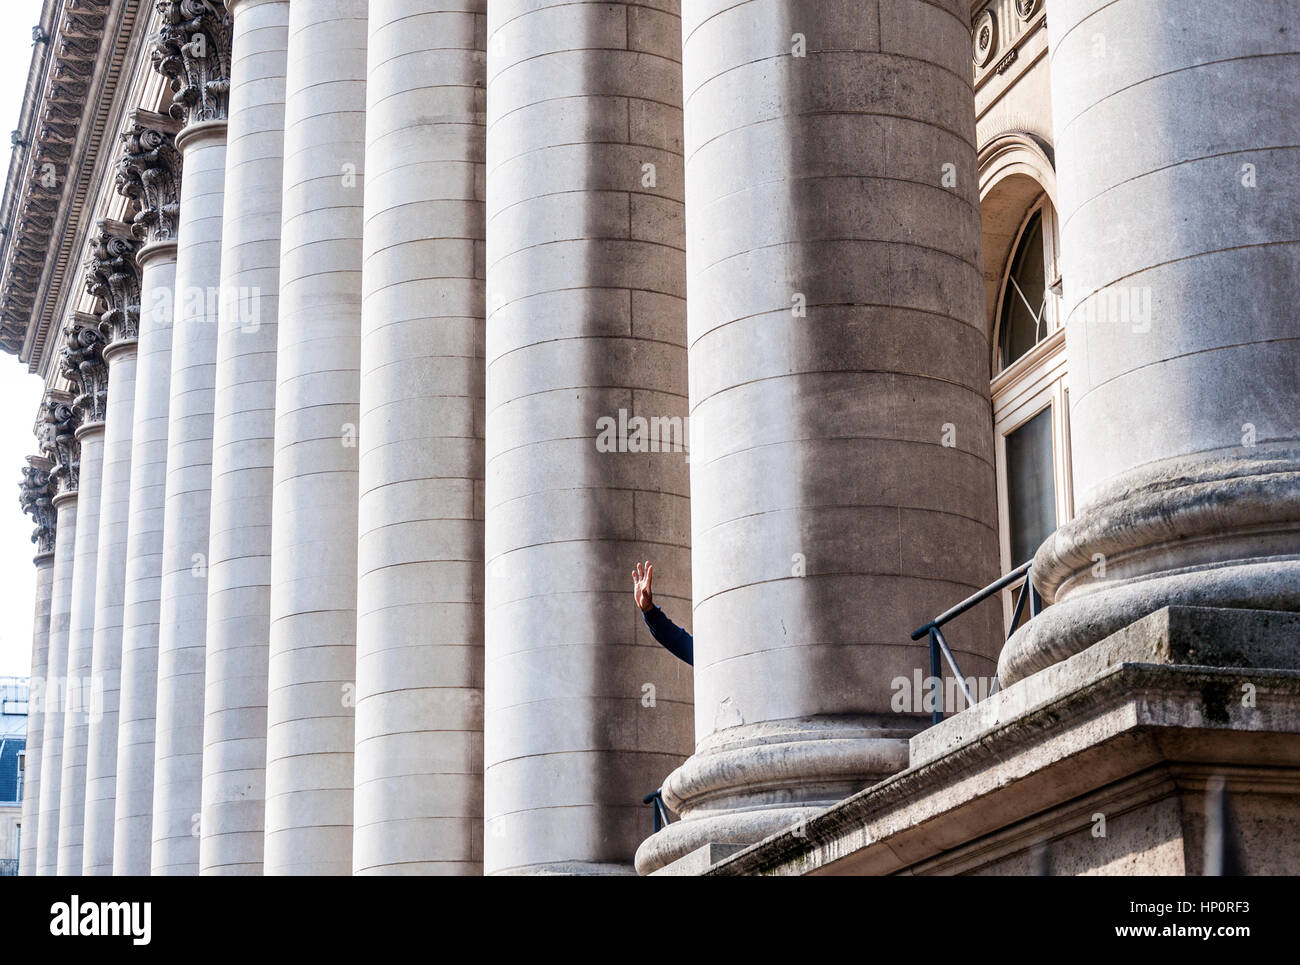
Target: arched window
<point>1026,307</point>
<point>1030,391</point>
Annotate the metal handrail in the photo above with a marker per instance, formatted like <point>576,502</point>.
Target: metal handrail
<point>939,645</point>
<point>656,797</point>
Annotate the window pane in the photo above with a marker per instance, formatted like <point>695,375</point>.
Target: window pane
<point>1031,486</point>
<point>1019,332</point>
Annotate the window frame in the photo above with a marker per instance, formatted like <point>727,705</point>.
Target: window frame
<point>1036,381</point>
<point>1051,277</point>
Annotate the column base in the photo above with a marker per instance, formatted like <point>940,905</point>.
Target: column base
<point>746,782</point>
<point>1212,531</point>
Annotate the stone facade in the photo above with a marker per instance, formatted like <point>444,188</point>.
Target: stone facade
<point>336,301</point>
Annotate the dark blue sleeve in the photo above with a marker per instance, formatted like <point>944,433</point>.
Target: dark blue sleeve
<point>669,635</point>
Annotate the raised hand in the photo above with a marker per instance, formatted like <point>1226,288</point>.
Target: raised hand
<point>641,577</point>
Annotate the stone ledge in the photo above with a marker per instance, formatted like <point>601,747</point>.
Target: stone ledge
<point>1103,717</point>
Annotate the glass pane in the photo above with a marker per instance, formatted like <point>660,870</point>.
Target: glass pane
<point>1031,486</point>
<point>1019,331</point>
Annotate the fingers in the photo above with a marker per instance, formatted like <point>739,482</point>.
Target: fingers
<point>649,573</point>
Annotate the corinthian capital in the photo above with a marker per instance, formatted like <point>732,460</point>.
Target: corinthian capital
<point>193,50</point>
<point>149,173</point>
<point>113,277</point>
<point>36,494</point>
<point>57,429</point>
<point>82,362</point>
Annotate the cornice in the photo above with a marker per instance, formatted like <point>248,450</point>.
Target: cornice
<point>73,93</point>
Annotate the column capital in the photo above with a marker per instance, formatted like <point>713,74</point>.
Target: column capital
<point>82,364</point>
<point>113,277</point>
<point>149,173</point>
<point>36,495</point>
<point>57,433</point>
<point>192,49</point>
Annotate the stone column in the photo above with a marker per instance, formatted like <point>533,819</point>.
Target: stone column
<point>59,426</point>
<point>312,668</point>
<point>842,482</point>
<point>150,173</point>
<point>239,575</point>
<point>586,293</point>
<point>82,361</point>
<point>1180,258</point>
<point>419,738</point>
<point>200,81</point>
<point>114,278</point>
<point>37,492</point>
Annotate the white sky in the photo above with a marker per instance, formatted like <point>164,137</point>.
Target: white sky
<point>20,392</point>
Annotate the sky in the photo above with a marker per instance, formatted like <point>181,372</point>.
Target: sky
<point>20,393</point>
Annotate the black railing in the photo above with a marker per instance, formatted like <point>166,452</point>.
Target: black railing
<point>939,645</point>
<point>656,797</point>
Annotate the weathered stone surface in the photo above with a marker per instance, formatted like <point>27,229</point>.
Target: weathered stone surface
<point>1183,340</point>
<point>833,274</point>
<point>1122,729</point>
<point>586,289</point>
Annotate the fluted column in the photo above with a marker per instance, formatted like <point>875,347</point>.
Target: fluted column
<point>1181,251</point>
<point>114,278</point>
<point>239,574</point>
<point>82,360</point>
<point>842,483</point>
<point>60,422</point>
<point>37,494</point>
<point>150,173</point>
<point>200,80</point>
<point>586,294</point>
<point>419,737</point>
<point>312,668</point>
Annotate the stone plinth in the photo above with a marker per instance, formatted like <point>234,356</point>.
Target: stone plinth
<point>1100,764</point>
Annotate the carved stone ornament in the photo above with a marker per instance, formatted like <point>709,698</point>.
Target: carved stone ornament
<point>1027,8</point>
<point>48,140</point>
<point>82,362</point>
<point>60,422</point>
<point>36,495</point>
<point>113,277</point>
<point>149,173</point>
<point>193,50</point>
<point>984,38</point>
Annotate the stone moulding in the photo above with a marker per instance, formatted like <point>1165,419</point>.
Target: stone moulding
<point>737,787</point>
<point>1218,531</point>
<point>1162,693</point>
<point>35,196</point>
